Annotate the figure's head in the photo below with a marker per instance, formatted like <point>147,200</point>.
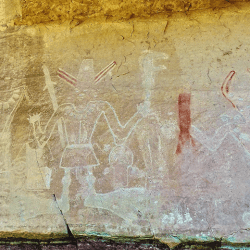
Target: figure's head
<point>87,83</point>
<point>121,155</point>
<point>86,71</point>
<point>233,117</point>
<point>148,58</point>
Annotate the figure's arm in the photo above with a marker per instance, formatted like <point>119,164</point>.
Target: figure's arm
<point>118,130</point>
<point>42,136</point>
<point>214,142</point>
<point>243,139</point>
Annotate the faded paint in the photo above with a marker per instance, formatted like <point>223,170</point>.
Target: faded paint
<point>156,143</point>
<point>184,103</point>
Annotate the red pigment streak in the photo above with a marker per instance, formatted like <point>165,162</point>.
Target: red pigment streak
<point>110,66</point>
<point>184,102</point>
<point>103,74</point>
<point>66,79</point>
<point>225,86</point>
<point>67,75</point>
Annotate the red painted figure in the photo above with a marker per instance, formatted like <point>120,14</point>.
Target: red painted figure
<point>184,121</point>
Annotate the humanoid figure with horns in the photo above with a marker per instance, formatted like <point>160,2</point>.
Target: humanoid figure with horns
<point>233,124</point>
<point>226,167</point>
<point>76,127</point>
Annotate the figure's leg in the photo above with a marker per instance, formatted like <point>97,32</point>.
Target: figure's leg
<point>91,181</point>
<point>64,200</point>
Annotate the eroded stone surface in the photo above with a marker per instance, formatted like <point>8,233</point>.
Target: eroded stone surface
<point>79,11</point>
<point>127,128</point>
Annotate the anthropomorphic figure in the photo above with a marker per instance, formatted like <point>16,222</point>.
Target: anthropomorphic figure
<point>149,135</point>
<point>224,169</point>
<point>233,125</point>
<point>76,127</point>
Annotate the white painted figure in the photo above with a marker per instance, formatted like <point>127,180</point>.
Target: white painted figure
<point>121,201</point>
<point>76,130</point>
<point>236,129</point>
<point>234,125</point>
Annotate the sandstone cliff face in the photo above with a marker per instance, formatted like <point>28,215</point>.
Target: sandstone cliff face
<point>78,11</point>
<point>125,118</point>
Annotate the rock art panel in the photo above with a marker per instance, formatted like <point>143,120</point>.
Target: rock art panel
<point>127,128</point>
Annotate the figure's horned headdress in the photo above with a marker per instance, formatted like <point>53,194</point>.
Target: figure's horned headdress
<point>225,87</point>
<point>87,65</point>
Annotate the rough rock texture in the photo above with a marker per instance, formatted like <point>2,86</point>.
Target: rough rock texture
<point>34,12</point>
<point>126,119</point>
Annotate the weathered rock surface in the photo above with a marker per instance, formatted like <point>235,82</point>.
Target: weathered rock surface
<point>117,124</point>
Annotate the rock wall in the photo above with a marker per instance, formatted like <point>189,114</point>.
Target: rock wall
<point>125,118</point>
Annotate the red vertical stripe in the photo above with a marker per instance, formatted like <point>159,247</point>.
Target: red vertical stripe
<point>184,102</point>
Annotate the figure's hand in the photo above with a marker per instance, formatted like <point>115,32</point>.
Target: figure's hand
<point>144,108</point>
<point>236,122</point>
<point>34,118</point>
<point>239,119</point>
<point>232,128</point>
